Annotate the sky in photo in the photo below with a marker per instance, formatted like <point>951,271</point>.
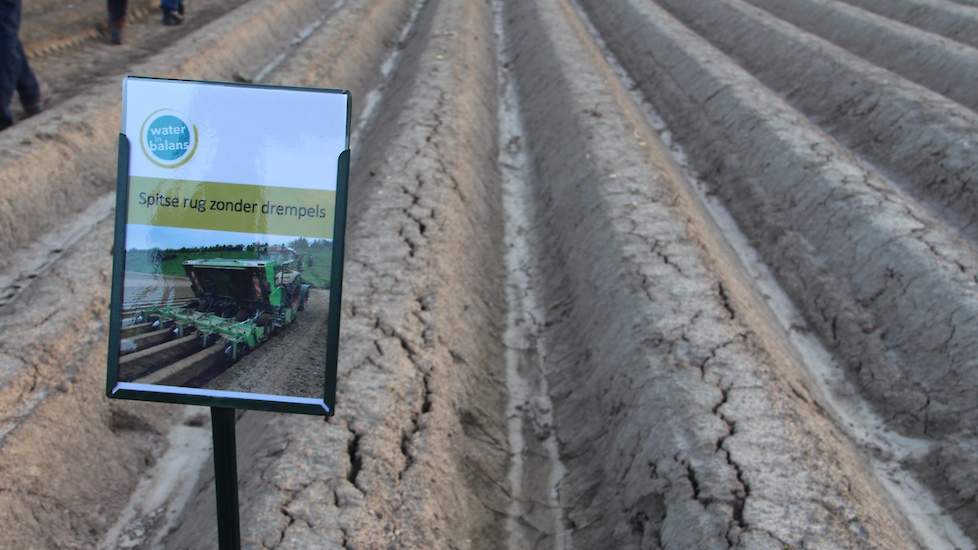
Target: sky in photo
<point>151,236</point>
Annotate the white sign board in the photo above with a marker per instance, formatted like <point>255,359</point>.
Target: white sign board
<point>227,283</point>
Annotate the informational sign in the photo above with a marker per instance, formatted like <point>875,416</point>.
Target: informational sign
<point>228,259</point>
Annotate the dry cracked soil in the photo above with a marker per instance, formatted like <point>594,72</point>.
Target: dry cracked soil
<point>671,274</point>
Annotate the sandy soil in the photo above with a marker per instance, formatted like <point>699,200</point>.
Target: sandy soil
<point>868,254</point>
<point>620,273</point>
<point>292,362</point>
<point>70,457</point>
<point>67,71</point>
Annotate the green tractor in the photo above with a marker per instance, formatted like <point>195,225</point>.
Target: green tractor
<point>242,302</point>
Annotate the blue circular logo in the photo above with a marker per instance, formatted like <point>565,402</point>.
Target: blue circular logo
<point>168,139</point>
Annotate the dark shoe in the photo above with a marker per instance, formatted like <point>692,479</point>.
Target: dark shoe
<point>171,17</point>
<point>112,32</point>
<point>37,106</point>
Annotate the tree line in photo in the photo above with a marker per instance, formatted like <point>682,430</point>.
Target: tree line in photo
<point>314,255</point>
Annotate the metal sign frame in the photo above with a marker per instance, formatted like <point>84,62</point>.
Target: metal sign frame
<point>240,400</point>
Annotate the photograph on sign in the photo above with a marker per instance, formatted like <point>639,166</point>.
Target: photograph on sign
<point>232,244</point>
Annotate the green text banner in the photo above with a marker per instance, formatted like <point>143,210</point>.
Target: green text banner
<point>261,209</point>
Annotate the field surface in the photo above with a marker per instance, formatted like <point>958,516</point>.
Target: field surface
<point>620,274</point>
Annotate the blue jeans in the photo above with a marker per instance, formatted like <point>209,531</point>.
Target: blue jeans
<point>15,72</point>
<point>172,5</point>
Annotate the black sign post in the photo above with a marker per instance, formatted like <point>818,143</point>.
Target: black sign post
<point>218,203</point>
<point>226,478</point>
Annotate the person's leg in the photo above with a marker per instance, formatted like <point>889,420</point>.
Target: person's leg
<point>10,62</point>
<point>28,88</point>
<point>171,12</point>
<point>117,9</point>
<point>117,19</point>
